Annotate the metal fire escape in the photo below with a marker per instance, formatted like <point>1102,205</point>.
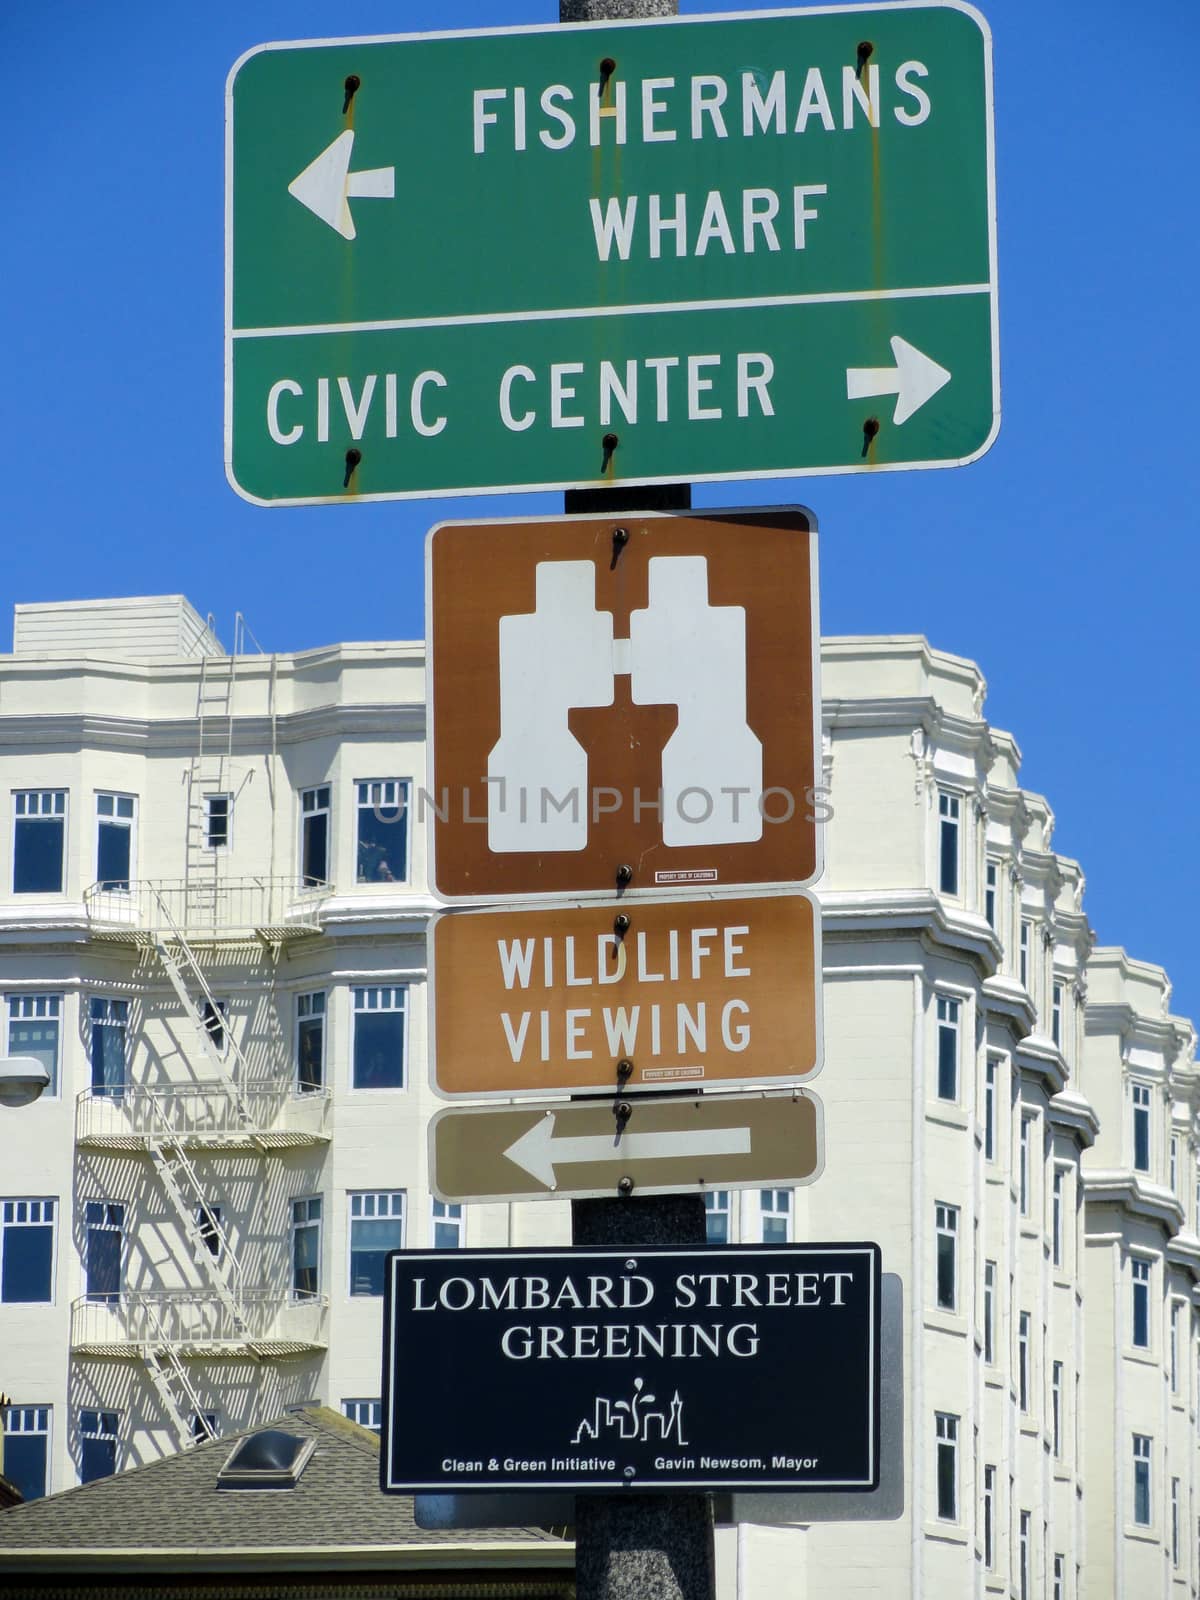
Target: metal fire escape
<point>219,1107</point>
<point>210,776</point>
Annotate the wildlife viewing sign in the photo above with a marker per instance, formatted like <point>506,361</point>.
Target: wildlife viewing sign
<point>685,248</point>
<point>639,1368</point>
<point>690,992</point>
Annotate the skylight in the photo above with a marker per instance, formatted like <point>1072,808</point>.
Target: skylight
<point>270,1459</point>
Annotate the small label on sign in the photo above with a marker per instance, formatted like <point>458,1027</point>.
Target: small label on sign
<point>661,1073</point>
<point>694,875</point>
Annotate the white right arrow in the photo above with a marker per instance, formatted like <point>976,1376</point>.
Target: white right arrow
<point>326,184</point>
<point>913,380</point>
<point>538,1152</point>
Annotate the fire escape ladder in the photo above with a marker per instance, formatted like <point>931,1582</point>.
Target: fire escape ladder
<point>173,1386</point>
<point>192,991</point>
<point>202,1225</point>
<point>209,773</point>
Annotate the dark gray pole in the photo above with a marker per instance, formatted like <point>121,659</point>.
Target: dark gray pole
<point>639,1546</point>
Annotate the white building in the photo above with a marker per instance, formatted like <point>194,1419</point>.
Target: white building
<point>212,915</point>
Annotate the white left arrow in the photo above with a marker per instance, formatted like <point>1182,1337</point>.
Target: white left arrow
<point>326,185</point>
<point>538,1152</point>
<point>913,380</point>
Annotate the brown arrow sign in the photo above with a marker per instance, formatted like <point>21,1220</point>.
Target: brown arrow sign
<point>679,1145</point>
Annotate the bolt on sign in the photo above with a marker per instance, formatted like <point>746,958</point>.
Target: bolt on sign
<point>691,248</point>
<point>623,704</point>
<point>665,995</point>
<point>676,1145</point>
<point>644,1368</point>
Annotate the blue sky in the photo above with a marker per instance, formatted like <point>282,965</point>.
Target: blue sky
<point>1064,562</point>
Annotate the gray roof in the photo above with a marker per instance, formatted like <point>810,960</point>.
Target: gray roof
<point>336,1512</point>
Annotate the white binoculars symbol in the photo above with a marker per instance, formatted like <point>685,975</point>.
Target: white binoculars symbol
<point>681,651</point>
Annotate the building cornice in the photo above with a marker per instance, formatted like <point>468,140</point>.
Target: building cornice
<point>851,913</point>
<point>1184,1251</point>
<point>1004,998</point>
<point>906,713</point>
<point>377,914</point>
<point>251,735</point>
<point>1073,1111</point>
<point>1040,1057</point>
<point>1134,1195</point>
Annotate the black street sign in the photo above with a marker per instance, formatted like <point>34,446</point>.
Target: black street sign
<point>696,1368</point>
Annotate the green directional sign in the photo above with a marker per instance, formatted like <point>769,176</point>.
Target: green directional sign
<point>563,257</point>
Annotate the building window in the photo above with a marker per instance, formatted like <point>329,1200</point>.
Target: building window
<point>989,1517</point>
<point>946,1435</point>
<point>379,1024</point>
<point>948,814</point>
<point>27,1449</point>
<point>35,1029</point>
<point>376,1226</point>
<point>213,1014</point>
<point>1056,1004</point>
<point>989,1312</point>
<point>109,1022</point>
<point>1142,1444</point>
<point>1024,1572</point>
<point>306,1247</point>
<point>218,812</point>
<point>1176,1308</point>
<point>776,1209</point>
<point>1173,1164</point>
<point>1056,1386</point>
<point>115,816</point>
<point>1057,1186</point>
<point>310,1042</point>
<point>1023,1356</point>
<point>448,1225</point>
<point>98,1435</point>
<point>716,1216</point>
<point>1140,1095</point>
<point>208,1226</point>
<point>991,1074</point>
<point>39,837</point>
<point>1140,1271</point>
<point>367,1413</point>
<point>103,1250</point>
<point>203,1425</point>
<point>382,851</point>
<point>1059,1591</point>
<point>946,1229</point>
<point>1026,930</point>
<point>989,893</point>
<point>947,1031</point>
<point>1174,1522</point>
<point>1024,1174</point>
<point>27,1252</point>
<point>314,835</point>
